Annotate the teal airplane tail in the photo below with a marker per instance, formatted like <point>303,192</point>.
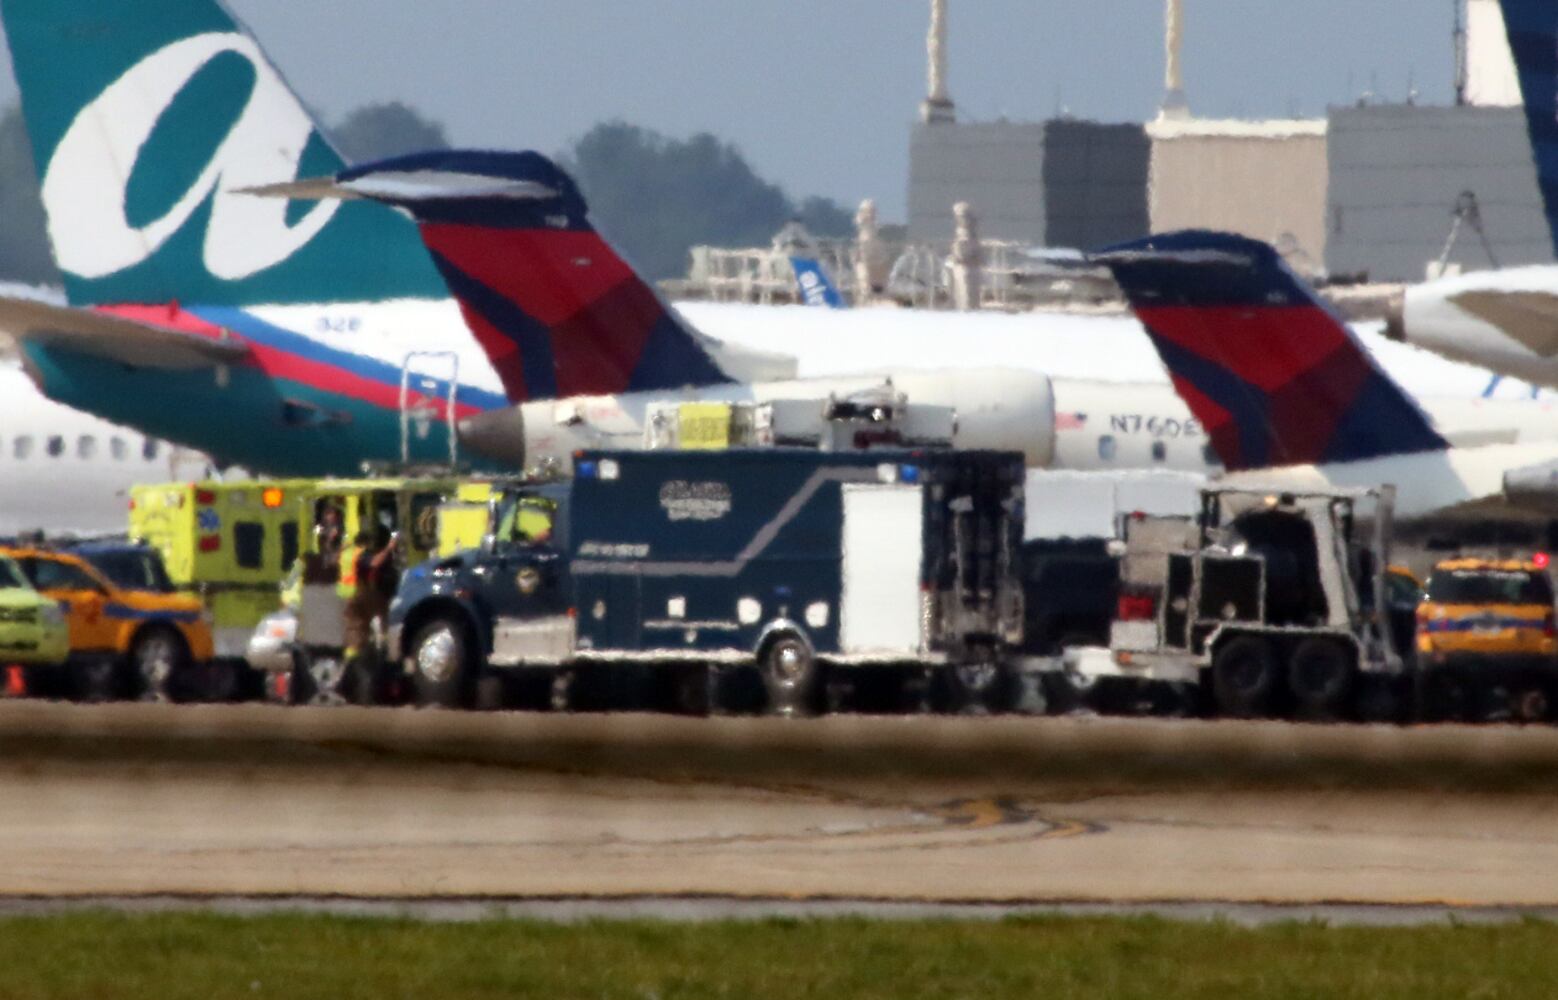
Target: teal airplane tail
<point>147,120</point>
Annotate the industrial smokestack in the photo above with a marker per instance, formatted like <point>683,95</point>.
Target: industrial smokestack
<point>1174,103</point>
<point>938,105</point>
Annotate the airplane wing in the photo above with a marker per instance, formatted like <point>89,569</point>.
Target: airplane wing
<point>144,337</point>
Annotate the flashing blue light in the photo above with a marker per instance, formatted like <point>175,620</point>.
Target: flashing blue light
<point>909,474</point>
<point>587,470</point>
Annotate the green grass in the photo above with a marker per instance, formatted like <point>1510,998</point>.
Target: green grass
<point>100,955</point>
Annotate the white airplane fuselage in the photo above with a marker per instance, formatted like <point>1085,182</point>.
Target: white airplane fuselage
<point>66,472</point>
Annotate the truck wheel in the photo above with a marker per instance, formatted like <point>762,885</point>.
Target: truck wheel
<point>157,658</point>
<point>789,673</point>
<point>441,665</point>
<point>1320,674</point>
<point>323,679</point>
<point>1244,678</point>
<point>977,688</point>
<point>1068,692</point>
<point>1532,704</point>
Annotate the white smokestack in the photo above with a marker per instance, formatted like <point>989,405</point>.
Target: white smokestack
<point>938,105</point>
<point>1174,103</point>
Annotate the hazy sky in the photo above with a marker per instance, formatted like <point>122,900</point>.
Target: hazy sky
<point>821,93</point>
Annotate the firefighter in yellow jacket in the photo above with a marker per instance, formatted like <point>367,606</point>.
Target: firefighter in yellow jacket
<point>366,581</point>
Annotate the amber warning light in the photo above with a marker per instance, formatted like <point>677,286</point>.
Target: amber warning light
<point>271,497</point>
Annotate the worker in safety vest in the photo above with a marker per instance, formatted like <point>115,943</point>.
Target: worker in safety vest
<point>363,574</point>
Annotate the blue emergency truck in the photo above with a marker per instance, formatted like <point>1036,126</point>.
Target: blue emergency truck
<point>803,564</point>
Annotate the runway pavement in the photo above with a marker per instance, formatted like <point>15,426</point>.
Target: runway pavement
<point>253,801</point>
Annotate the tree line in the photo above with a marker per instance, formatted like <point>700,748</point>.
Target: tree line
<point>654,196</point>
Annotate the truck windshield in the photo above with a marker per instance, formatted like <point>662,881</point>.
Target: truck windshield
<point>526,518</point>
<point>132,569</point>
<point>11,575</point>
<point>1490,587</point>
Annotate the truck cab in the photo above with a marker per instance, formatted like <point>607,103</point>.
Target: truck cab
<point>505,603</point>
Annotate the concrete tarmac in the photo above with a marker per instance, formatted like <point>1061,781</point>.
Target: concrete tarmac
<point>187,802</point>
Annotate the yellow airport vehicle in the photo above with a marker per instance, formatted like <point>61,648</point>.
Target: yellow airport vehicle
<point>1487,637</point>
<point>33,630</point>
<point>230,543</point>
<point>130,633</point>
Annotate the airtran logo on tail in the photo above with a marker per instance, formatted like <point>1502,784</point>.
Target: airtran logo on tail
<point>86,187</point>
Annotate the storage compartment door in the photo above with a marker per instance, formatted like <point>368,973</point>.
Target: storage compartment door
<point>883,552</point>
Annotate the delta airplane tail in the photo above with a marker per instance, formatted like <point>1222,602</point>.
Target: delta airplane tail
<point>145,118</point>
<point>1533,38</point>
<point>1276,378</point>
<point>556,308</point>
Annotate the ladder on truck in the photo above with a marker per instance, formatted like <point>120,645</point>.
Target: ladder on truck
<point>421,408</point>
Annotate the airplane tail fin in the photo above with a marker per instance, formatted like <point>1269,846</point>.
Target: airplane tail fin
<point>814,285</point>
<point>557,310</point>
<point>144,118</point>
<point>1274,376</point>
<point>1532,26</point>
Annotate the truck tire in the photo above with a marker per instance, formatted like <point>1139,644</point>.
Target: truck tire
<point>1531,702</point>
<point>1321,677</point>
<point>980,688</point>
<point>790,672</point>
<point>157,658</point>
<point>319,679</point>
<point>441,665</point>
<point>1244,678</point>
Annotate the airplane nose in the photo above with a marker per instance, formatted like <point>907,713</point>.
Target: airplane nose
<point>1396,316</point>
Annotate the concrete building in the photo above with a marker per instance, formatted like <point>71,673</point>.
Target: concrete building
<point>1264,179</point>
<point>1397,173</point>
<point>1059,183</point>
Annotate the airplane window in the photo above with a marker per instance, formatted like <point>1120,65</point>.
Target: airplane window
<point>1107,448</point>
<point>56,446</point>
<point>118,449</point>
<point>149,450</point>
<point>21,448</point>
<point>1159,451</point>
<point>86,447</point>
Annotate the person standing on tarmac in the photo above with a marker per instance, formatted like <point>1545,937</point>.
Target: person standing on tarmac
<point>364,570</point>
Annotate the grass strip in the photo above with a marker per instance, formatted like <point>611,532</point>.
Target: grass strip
<point>173,956</point>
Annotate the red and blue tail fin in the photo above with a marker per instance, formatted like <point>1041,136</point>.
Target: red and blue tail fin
<point>557,310</point>
<point>1274,375</point>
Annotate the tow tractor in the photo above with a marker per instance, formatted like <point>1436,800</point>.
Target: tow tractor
<point>1262,605</point>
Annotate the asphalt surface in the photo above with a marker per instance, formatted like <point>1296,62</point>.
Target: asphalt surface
<point>252,806</point>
